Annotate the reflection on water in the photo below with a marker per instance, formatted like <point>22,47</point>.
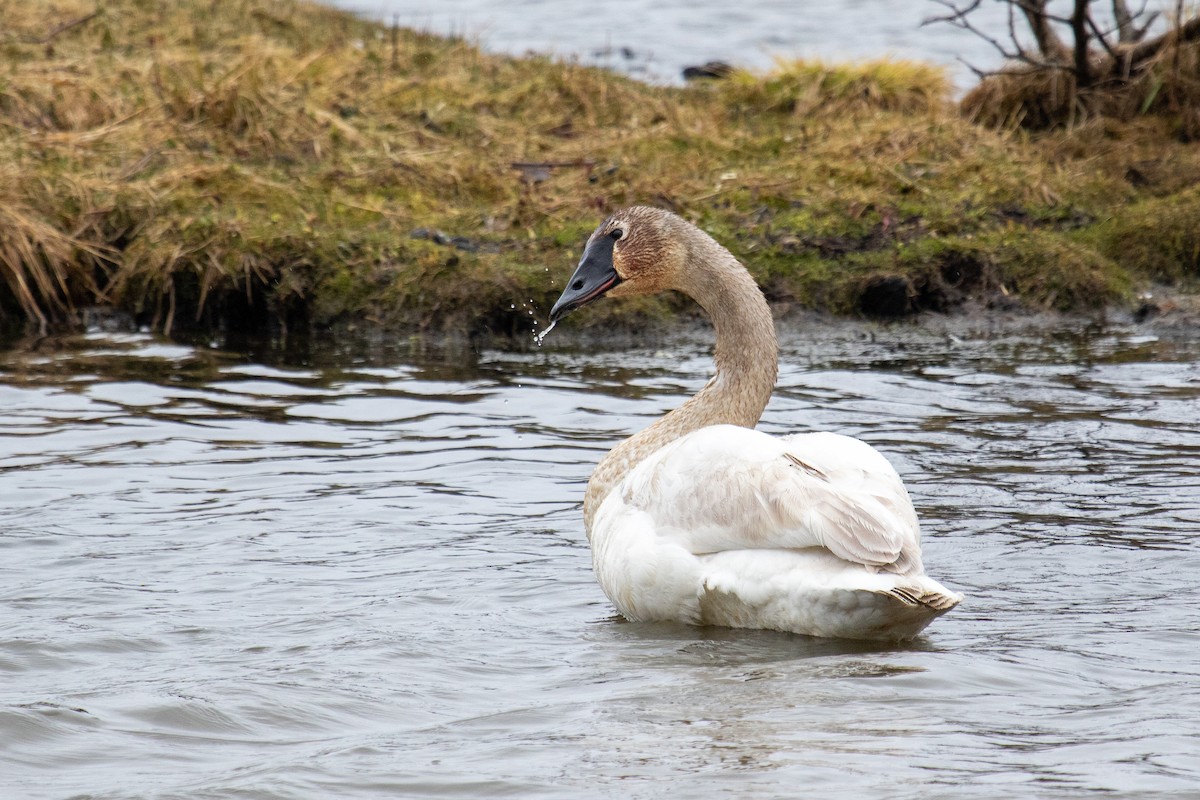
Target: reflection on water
<point>363,574</point>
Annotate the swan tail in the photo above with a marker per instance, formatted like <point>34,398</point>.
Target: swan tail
<point>939,599</point>
<point>840,601</point>
<point>909,608</point>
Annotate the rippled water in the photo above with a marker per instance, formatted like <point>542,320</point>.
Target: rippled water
<point>363,574</point>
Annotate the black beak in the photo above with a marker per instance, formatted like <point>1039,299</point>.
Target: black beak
<point>594,276</point>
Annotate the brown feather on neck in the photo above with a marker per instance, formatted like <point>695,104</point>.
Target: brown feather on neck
<point>660,252</point>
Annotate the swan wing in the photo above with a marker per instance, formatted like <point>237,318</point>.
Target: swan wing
<point>726,488</point>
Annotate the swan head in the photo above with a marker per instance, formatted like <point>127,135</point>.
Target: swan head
<point>638,250</point>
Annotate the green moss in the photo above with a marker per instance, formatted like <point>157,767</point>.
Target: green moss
<point>1159,237</point>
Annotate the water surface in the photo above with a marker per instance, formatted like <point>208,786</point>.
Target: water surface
<point>656,39</point>
<point>362,573</point>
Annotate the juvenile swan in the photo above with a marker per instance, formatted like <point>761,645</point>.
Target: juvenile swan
<point>700,518</point>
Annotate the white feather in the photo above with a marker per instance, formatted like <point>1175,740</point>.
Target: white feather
<point>730,526</point>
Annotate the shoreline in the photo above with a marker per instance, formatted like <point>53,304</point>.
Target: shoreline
<point>1164,318</point>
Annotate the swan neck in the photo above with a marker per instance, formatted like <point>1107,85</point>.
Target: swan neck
<point>746,360</point>
<point>745,352</point>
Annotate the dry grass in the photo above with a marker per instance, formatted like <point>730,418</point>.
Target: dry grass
<point>801,88</point>
<point>227,164</point>
<point>1167,86</point>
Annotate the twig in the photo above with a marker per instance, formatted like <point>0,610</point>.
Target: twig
<point>63,28</point>
<point>979,73</point>
<point>1186,32</point>
<point>956,13</point>
<point>1038,7</point>
<point>538,171</point>
<point>958,18</point>
<point>1101,37</point>
<point>1012,29</point>
<point>1140,33</point>
<point>583,162</point>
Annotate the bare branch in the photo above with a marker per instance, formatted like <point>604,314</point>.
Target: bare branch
<point>1184,32</point>
<point>979,73</point>
<point>1012,34</point>
<point>1124,21</point>
<point>956,15</point>
<point>1117,51</point>
<point>1102,37</point>
<point>1040,7</point>
<point>1140,33</point>
<point>958,18</point>
<point>1079,20</point>
<point>64,27</point>
<point>1039,20</point>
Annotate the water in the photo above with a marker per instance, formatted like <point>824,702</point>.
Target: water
<point>362,573</point>
<point>541,335</point>
<point>656,39</point>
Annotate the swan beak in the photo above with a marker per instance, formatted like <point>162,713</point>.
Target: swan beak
<point>594,276</point>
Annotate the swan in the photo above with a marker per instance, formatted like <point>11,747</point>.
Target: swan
<point>703,520</point>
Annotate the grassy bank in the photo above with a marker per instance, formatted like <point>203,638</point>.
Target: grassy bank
<point>203,164</point>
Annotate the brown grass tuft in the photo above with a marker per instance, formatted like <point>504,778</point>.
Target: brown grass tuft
<point>1168,85</point>
<point>807,87</point>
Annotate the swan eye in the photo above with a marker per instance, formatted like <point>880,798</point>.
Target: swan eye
<point>616,234</point>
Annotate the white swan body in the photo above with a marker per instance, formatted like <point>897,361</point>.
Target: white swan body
<point>730,526</point>
<point>701,519</point>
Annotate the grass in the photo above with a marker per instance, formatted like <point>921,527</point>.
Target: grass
<point>257,162</point>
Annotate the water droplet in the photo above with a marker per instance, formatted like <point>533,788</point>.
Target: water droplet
<point>512,305</point>
<point>540,336</point>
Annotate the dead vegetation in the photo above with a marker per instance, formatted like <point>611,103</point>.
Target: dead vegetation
<point>1102,60</point>
<point>258,162</point>
<point>1166,86</point>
